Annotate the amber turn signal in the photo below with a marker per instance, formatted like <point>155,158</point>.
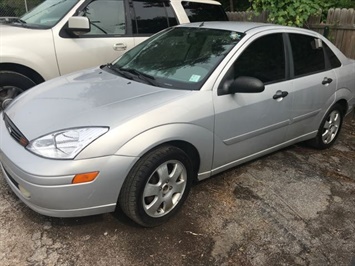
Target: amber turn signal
<point>83,178</point>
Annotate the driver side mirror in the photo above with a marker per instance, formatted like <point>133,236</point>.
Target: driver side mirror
<point>78,25</point>
<point>242,84</point>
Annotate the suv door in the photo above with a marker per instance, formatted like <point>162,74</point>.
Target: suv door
<point>110,36</point>
<point>247,123</point>
<point>314,84</point>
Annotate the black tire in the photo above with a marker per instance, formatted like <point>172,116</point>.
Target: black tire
<point>329,128</point>
<point>155,171</point>
<point>11,85</point>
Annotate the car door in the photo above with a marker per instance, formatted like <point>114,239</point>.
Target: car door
<point>249,123</point>
<point>314,84</point>
<point>110,36</point>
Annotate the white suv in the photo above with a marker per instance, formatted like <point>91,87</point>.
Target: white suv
<point>59,37</point>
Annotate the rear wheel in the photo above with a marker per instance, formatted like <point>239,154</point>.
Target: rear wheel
<point>11,85</point>
<point>157,186</point>
<point>329,129</point>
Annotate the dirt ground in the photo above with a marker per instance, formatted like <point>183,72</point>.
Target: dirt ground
<point>293,207</point>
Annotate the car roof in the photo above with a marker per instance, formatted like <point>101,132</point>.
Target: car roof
<point>242,27</point>
<point>212,2</point>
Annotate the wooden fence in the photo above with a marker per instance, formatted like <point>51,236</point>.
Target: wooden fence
<point>339,26</point>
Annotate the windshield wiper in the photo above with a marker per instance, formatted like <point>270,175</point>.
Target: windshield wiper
<point>19,20</point>
<point>118,71</point>
<point>143,76</point>
<point>8,20</point>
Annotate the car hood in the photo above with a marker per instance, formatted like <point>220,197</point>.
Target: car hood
<point>92,97</point>
<point>10,31</point>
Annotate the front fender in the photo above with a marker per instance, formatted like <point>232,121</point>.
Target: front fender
<point>37,53</point>
<point>201,138</point>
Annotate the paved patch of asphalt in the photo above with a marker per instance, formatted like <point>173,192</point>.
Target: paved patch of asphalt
<point>293,207</point>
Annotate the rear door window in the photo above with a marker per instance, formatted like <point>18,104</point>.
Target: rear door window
<point>197,12</point>
<point>308,55</point>
<point>152,16</point>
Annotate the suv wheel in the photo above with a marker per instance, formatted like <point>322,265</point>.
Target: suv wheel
<point>11,85</point>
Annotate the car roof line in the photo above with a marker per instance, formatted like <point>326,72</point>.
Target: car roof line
<point>259,26</point>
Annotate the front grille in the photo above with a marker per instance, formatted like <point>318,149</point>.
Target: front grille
<point>11,178</point>
<point>14,131</point>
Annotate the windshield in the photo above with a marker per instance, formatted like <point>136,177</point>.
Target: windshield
<point>179,58</point>
<point>47,14</point>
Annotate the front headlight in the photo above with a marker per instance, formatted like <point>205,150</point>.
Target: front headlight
<point>65,144</point>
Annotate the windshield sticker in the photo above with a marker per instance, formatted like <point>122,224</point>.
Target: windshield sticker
<point>195,78</point>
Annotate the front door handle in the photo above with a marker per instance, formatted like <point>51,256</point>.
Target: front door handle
<point>119,47</point>
<point>327,81</point>
<point>280,94</point>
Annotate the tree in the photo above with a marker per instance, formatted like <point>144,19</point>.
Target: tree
<point>341,3</point>
<point>288,12</point>
<point>296,13</point>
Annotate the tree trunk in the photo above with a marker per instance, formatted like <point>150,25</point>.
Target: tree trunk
<point>231,5</point>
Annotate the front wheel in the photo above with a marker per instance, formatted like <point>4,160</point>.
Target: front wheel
<point>157,186</point>
<point>329,129</point>
<point>11,85</point>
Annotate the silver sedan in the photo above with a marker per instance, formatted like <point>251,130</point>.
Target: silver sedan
<point>188,103</point>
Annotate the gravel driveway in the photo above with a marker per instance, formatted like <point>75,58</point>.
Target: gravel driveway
<point>293,207</point>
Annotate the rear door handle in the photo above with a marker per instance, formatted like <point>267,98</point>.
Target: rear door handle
<point>119,47</point>
<point>327,81</point>
<point>280,94</point>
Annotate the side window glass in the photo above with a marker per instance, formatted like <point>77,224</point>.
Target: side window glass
<point>197,12</point>
<point>308,55</point>
<point>333,59</point>
<point>152,16</point>
<point>107,17</point>
<point>263,59</point>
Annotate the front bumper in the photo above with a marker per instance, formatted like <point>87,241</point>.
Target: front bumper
<point>45,185</point>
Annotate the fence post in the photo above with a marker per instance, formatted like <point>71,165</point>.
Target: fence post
<point>326,32</point>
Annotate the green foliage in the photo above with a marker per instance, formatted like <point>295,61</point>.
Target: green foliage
<point>342,3</point>
<point>289,12</point>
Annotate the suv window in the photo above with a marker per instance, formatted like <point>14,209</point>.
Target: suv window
<point>152,16</point>
<point>263,59</point>
<point>204,12</point>
<point>107,17</point>
<point>308,56</point>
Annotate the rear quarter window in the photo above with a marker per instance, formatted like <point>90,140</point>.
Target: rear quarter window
<point>204,12</point>
<point>333,59</point>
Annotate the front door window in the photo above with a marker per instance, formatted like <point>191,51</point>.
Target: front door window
<point>107,17</point>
